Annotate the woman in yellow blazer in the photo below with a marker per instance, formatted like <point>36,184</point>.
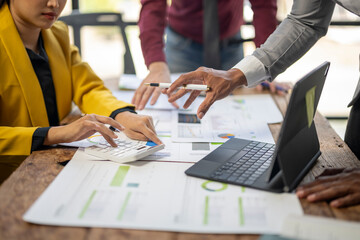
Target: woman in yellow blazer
<point>27,28</point>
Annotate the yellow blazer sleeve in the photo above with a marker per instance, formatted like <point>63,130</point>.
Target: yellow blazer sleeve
<point>89,92</point>
<point>21,112</point>
<point>16,140</point>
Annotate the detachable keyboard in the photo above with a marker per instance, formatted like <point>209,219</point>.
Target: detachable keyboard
<point>127,150</point>
<point>246,169</point>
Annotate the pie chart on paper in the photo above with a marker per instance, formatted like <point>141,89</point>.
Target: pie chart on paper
<point>226,135</point>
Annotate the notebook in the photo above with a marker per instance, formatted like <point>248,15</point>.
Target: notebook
<point>270,167</point>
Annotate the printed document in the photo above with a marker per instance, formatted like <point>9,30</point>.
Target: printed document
<point>191,151</point>
<point>244,117</point>
<point>319,228</point>
<point>155,196</point>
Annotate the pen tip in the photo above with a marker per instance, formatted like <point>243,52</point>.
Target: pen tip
<point>147,83</point>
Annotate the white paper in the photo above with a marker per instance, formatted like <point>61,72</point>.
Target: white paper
<point>219,128</point>
<point>162,102</point>
<point>129,82</point>
<point>181,152</point>
<point>155,196</point>
<point>175,151</point>
<point>257,106</point>
<point>240,117</point>
<point>80,143</point>
<point>319,228</point>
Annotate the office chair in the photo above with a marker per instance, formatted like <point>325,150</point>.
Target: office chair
<point>78,20</point>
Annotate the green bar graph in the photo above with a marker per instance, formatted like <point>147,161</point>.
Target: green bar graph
<point>206,211</point>
<point>85,208</point>
<point>164,136</point>
<point>120,176</point>
<point>241,212</point>
<point>123,207</point>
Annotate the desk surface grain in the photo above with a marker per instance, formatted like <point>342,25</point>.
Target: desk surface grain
<point>34,175</point>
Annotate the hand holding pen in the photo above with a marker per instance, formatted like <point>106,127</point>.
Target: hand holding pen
<point>199,87</point>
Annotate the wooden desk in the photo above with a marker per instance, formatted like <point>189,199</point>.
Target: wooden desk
<point>27,183</point>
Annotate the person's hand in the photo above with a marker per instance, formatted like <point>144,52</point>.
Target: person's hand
<point>159,72</point>
<point>140,127</point>
<point>83,128</point>
<point>221,84</point>
<point>274,87</point>
<point>340,186</point>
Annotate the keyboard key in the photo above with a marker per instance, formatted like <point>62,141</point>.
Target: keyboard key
<point>247,165</point>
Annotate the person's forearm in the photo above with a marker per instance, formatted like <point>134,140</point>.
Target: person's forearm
<point>152,21</point>
<point>295,35</point>
<point>264,19</point>
<point>158,66</point>
<point>52,136</point>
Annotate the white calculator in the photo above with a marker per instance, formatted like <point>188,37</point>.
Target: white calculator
<point>127,150</point>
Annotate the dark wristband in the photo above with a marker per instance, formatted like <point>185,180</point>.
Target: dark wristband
<point>120,110</point>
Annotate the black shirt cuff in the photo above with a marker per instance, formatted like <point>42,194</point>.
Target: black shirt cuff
<point>120,110</point>
<point>38,138</point>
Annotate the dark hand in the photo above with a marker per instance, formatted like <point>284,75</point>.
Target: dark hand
<point>221,84</point>
<point>342,187</point>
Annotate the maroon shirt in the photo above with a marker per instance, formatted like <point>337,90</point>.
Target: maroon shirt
<point>186,17</point>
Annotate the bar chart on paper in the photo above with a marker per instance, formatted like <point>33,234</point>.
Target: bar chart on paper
<point>217,127</point>
<point>175,151</point>
<point>236,116</point>
<point>155,196</point>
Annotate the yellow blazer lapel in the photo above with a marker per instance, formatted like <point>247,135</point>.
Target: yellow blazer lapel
<point>60,72</point>
<point>24,71</point>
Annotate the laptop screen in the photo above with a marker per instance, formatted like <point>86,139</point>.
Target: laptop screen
<point>298,146</point>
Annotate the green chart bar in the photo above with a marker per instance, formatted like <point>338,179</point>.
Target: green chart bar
<point>241,212</point>
<point>85,208</point>
<point>206,211</point>
<point>120,176</point>
<point>168,136</point>
<point>122,211</point>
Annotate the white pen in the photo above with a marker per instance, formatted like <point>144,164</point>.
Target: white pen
<point>199,87</point>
